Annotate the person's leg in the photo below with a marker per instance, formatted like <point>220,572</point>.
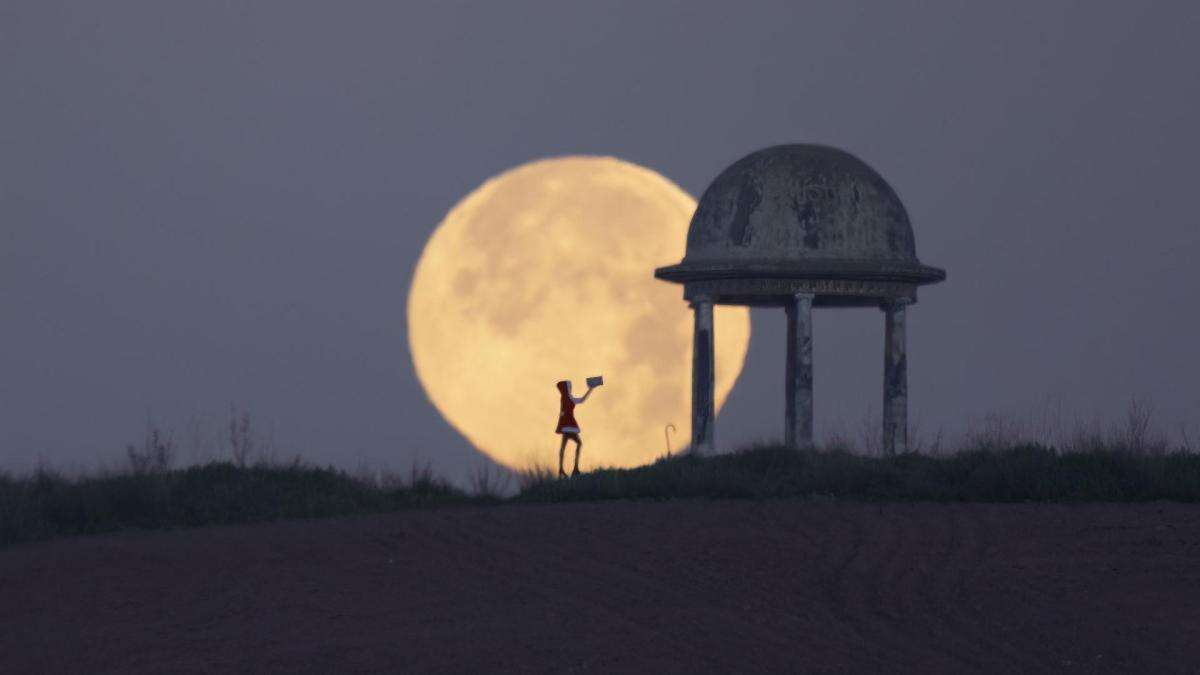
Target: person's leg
<point>578,450</point>
<point>562,448</point>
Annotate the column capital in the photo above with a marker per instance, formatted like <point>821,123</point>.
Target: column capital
<point>893,304</point>
<point>702,299</point>
<point>799,302</point>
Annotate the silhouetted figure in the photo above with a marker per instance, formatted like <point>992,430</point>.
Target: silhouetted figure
<point>567,426</point>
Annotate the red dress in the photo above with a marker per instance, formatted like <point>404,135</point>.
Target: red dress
<point>566,413</point>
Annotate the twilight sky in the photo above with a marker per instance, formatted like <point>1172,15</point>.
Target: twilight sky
<point>223,202</point>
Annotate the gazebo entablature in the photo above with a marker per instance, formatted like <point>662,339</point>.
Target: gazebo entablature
<point>759,292</point>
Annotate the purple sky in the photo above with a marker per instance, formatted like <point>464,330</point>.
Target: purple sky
<point>210,203</point>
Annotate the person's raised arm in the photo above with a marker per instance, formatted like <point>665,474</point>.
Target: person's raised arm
<point>583,398</point>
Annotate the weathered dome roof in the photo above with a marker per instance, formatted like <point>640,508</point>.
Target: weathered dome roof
<point>801,211</point>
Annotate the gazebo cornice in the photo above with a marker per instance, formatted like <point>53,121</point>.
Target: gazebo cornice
<point>846,269</point>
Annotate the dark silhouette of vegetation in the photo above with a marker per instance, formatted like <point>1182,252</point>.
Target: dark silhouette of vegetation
<point>1027,472</point>
<point>48,504</point>
<point>1125,461</point>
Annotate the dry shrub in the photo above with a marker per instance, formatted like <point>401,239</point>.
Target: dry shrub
<point>489,482</point>
<point>242,437</point>
<point>156,453</point>
<point>535,475</point>
<point>995,432</point>
<point>870,434</point>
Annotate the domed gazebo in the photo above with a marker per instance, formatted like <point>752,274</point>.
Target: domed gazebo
<point>798,226</point>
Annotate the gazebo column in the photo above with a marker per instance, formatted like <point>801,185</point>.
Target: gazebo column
<point>895,379</point>
<point>702,376</point>
<point>798,417</point>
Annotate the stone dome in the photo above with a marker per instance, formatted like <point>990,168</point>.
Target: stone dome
<point>801,211</point>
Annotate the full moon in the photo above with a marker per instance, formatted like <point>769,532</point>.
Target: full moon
<point>546,273</point>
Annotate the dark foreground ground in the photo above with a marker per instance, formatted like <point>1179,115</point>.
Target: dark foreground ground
<point>683,586</point>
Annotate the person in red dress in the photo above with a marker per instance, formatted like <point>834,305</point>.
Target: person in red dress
<point>567,426</point>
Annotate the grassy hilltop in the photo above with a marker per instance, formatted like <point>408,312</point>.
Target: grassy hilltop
<point>47,504</point>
